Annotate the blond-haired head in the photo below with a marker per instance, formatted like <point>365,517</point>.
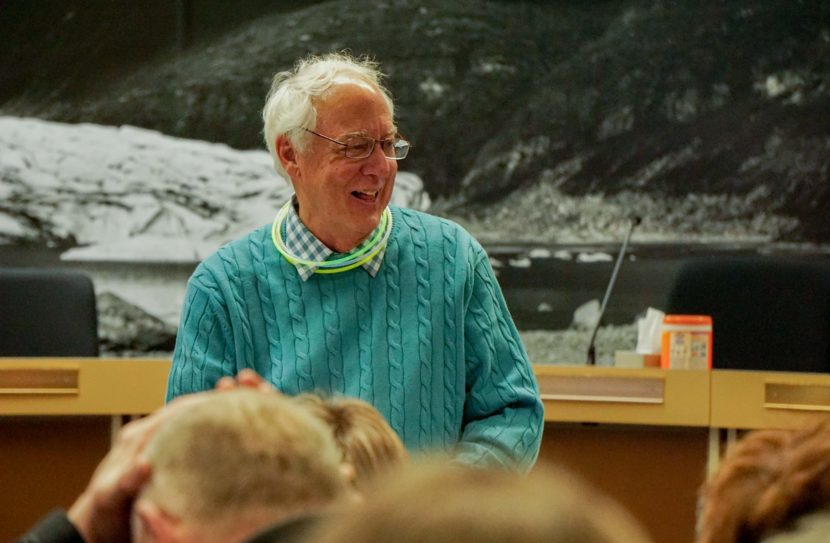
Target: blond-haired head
<point>235,463</point>
<point>366,440</point>
<point>440,502</point>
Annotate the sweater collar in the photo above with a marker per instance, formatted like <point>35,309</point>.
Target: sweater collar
<point>303,243</point>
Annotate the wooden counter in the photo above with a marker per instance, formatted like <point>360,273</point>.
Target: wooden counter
<point>647,437</point>
<point>82,386</point>
<point>753,399</point>
<point>57,419</point>
<point>651,397</point>
<point>639,435</point>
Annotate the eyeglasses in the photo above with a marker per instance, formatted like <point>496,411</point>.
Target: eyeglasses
<point>395,148</point>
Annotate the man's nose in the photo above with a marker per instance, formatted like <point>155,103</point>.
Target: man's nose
<point>377,163</point>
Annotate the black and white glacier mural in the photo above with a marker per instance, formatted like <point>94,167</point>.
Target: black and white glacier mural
<point>136,210</point>
<point>130,141</point>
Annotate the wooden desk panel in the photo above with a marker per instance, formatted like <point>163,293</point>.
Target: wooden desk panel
<point>752,400</point>
<point>103,386</point>
<point>640,435</point>
<point>654,472</point>
<point>45,462</point>
<point>624,396</point>
<point>56,421</point>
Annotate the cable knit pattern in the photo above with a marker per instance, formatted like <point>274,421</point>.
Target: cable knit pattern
<point>365,343</point>
<point>204,345</point>
<point>450,329</point>
<point>395,352</point>
<point>232,273</point>
<point>302,343</point>
<point>267,305</point>
<point>428,341</point>
<point>331,323</point>
<point>483,321</point>
<point>424,329</point>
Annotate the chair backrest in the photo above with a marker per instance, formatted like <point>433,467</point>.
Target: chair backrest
<point>768,313</point>
<point>47,312</point>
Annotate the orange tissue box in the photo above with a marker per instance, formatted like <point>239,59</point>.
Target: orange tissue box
<point>686,342</point>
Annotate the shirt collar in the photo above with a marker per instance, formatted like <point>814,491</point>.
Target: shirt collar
<point>301,242</point>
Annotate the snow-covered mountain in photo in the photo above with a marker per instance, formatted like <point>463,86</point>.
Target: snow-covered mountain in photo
<point>538,126</point>
<point>130,194</point>
<point>136,210</point>
<point>531,121</point>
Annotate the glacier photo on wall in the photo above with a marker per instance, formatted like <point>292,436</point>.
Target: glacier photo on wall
<point>131,141</point>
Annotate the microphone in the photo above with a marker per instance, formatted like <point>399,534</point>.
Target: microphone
<point>592,355</point>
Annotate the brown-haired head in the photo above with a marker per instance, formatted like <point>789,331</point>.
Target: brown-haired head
<point>764,483</point>
<point>367,441</point>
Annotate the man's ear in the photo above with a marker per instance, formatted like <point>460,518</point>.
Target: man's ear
<point>287,155</point>
<point>151,524</point>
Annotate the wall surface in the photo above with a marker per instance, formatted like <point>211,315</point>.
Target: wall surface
<point>130,140</point>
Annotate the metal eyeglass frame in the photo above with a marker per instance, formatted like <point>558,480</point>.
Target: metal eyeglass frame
<point>396,141</point>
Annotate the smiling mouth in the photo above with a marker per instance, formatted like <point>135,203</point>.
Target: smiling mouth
<point>366,195</point>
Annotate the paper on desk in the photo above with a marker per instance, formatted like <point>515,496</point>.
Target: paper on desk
<point>648,331</point>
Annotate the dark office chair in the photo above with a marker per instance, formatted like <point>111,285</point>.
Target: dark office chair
<point>768,313</point>
<point>47,313</point>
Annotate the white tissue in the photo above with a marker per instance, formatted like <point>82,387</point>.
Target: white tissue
<point>648,331</point>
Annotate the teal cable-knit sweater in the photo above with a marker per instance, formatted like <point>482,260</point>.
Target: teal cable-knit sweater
<point>429,341</point>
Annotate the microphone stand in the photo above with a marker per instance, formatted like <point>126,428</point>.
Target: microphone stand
<point>592,354</point>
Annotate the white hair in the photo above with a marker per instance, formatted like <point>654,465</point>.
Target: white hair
<point>290,104</point>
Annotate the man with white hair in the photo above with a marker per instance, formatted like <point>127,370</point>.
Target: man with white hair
<point>347,295</point>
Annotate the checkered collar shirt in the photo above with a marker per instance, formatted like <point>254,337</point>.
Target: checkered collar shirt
<point>301,242</point>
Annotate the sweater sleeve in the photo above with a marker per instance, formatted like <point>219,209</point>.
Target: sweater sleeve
<point>53,528</point>
<point>204,342</point>
<point>503,413</point>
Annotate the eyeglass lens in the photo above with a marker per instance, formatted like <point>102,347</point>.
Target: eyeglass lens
<point>395,148</point>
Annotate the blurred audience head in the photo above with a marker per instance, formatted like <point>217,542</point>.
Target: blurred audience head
<point>234,464</point>
<point>772,485</point>
<point>450,503</point>
<point>369,445</point>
